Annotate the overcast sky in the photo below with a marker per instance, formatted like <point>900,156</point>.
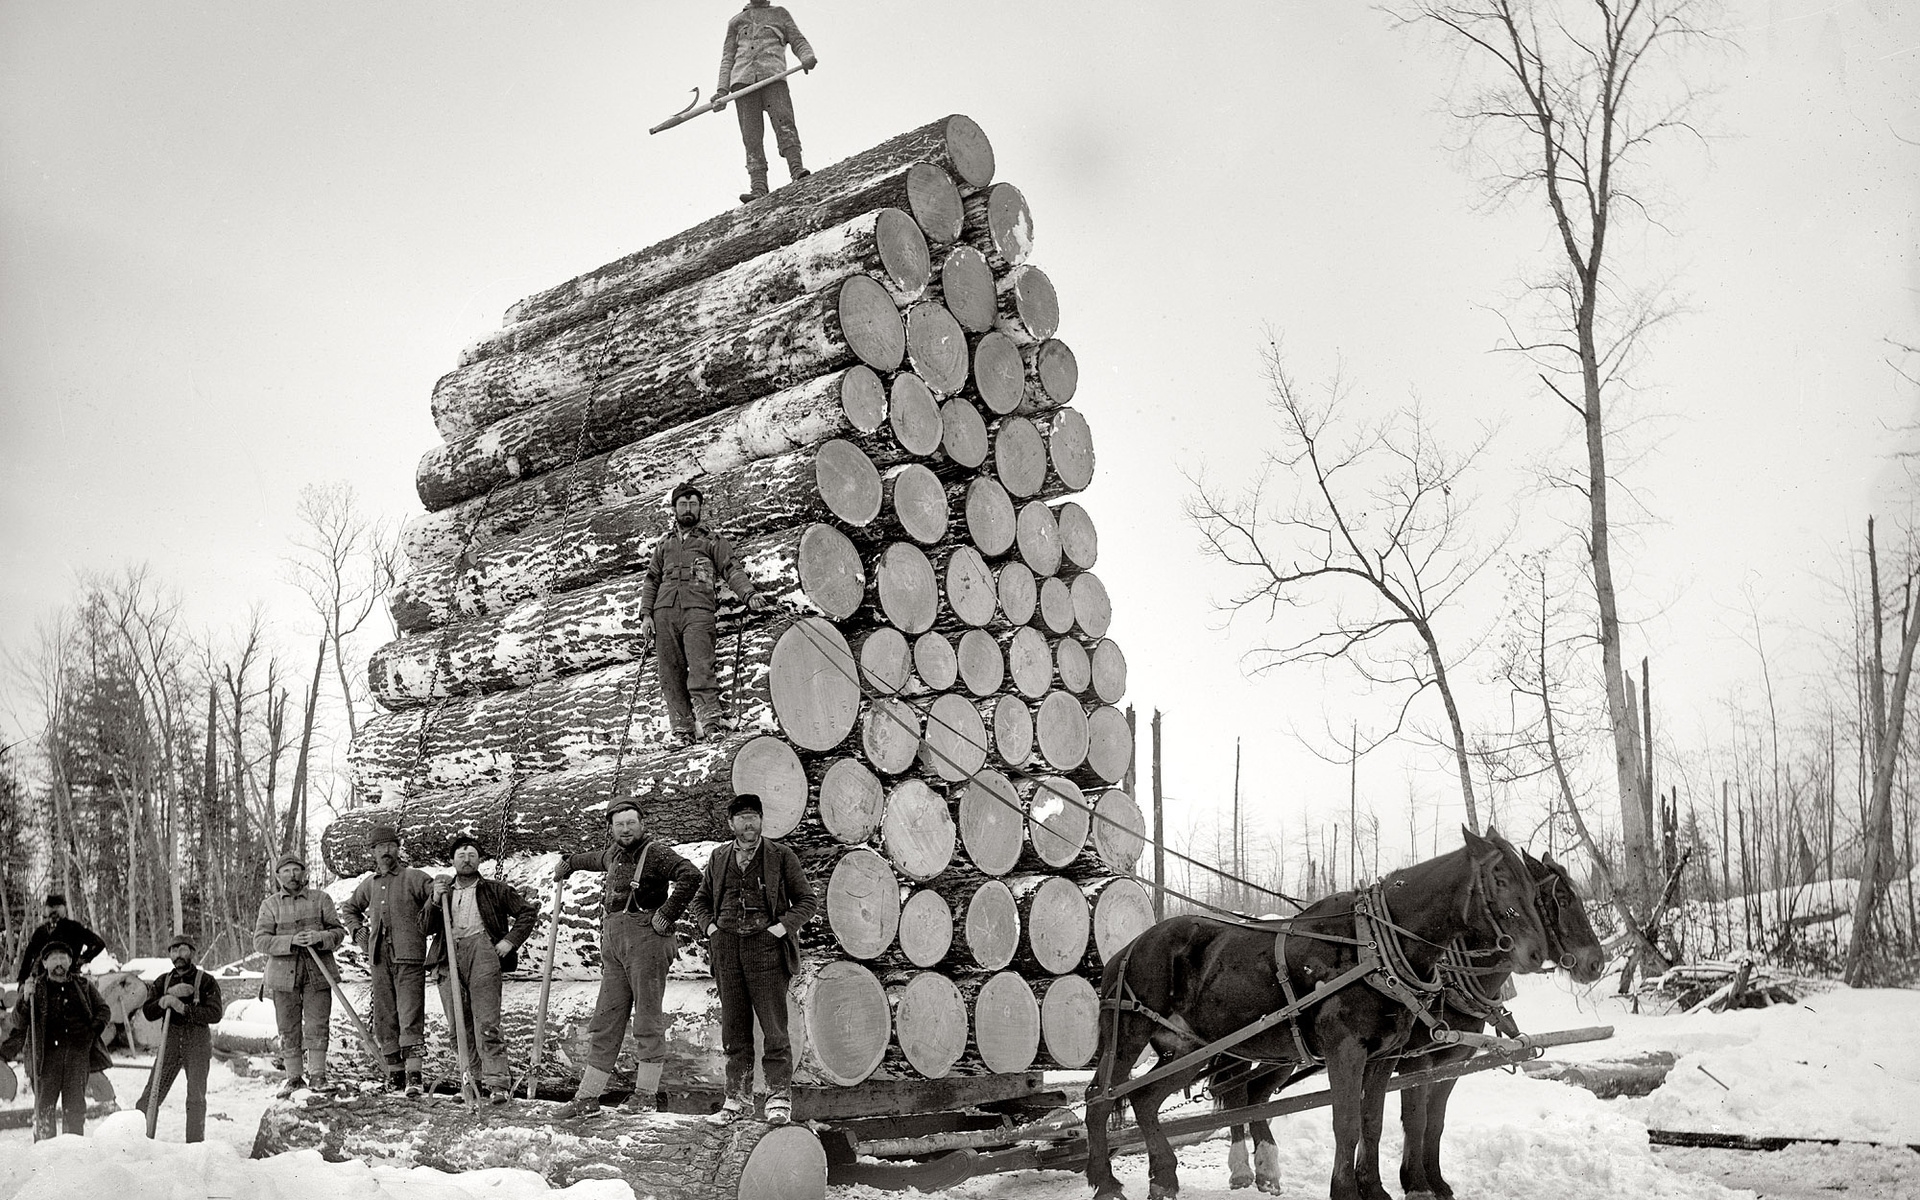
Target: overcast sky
<point>241,241</point>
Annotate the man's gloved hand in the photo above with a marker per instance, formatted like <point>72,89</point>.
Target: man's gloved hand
<point>758,603</point>
<point>809,63</point>
<point>182,990</point>
<point>661,925</point>
<point>562,869</point>
<point>646,633</point>
<point>719,100</point>
<point>173,1002</point>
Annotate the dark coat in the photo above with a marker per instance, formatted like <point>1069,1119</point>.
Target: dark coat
<point>84,943</point>
<point>391,911</point>
<point>756,46</point>
<point>204,1008</point>
<point>685,568</point>
<point>789,897</point>
<point>666,886</point>
<point>65,1018</point>
<point>503,911</point>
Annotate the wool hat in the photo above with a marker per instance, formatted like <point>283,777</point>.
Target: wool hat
<point>744,802</point>
<point>619,806</point>
<point>180,939</point>
<point>688,488</point>
<point>284,859</point>
<point>465,839</point>
<point>382,833</point>
<point>54,898</point>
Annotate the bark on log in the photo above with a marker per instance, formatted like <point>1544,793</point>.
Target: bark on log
<point>906,587</point>
<point>1006,1024</point>
<point>926,928</point>
<point>990,516</point>
<point>1052,377</point>
<point>916,831</point>
<point>1056,605</point>
<point>1072,665</point>
<point>936,347</point>
<point>1058,819</point>
<point>1029,661</point>
<point>1017,591</point>
<point>848,801</point>
<point>884,244</point>
<point>914,503</point>
<point>782,346</point>
<point>1079,540</point>
<point>1092,610</point>
<point>849,404</point>
<point>839,1020</point>
<point>1060,730</point>
<point>886,661</point>
<point>1069,1021</point>
<point>963,435</point>
<point>988,932</point>
<point>969,586</point>
<point>1070,459</point>
<point>1109,742</point>
<point>1019,457</point>
<point>921,171</point>
<point>1029,309</point>
<point>813,685</point>
<point>999,373</point>
<point>966,289</point>
<point>862,905</point>
<point>913,414</point>
<point>1000,226</point>
<point>982,668</point>
<point>1109,671</point>
<point>929,1022</point>
<point>1055,921</point>
<point>992,821</point>
<point>1011,724</point>
<point>934,661</point>
<point>1037,533</point>
<point>1122,910</point>
<point>955,743</point>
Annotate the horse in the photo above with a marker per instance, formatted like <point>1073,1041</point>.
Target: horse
<point>1364,967</point>
<point>1468,1004</point>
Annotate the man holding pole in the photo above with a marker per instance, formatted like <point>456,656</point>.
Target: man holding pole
<point>298,930</point>
<point>489,922</point>
<point>387,916</point>
<point>755,49</point>
<point>186,1001</point>
<point>55,1030</point>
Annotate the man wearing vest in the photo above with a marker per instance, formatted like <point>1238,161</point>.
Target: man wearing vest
<point>752,902</point>
<point>678,599</point>
<point>648,886</point>
<point>187,999</point>
<point>295,923</point>
<point>387,917</point>
<point>490,921</point>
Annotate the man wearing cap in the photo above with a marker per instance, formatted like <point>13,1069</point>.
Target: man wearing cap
<point>648,886</point>
<point>752,902</point>
<point>188,1000</point>
<point>755,49</point>
<point>678,599</point>
<point>490,921</point>
<point>55,1030</point>
<point>294,924</point>
<point>387,918</point>
<point>82,943</point>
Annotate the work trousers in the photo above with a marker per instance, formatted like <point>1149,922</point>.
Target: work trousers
<point>399,1008</point>
<point>776,103</point>
<point>750,971</point>
<point>62,1084</point>
<point>479,966</point>
<point>633,981</point>
<point>189,1047</point>
<point>685,648</point>
<point>303,1015</point>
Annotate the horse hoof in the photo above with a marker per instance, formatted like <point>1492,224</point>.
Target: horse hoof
<point>1110,1193</point>
<point>1239,1181</point>
<point>1270,1186</point>
<point>1156,1192</point>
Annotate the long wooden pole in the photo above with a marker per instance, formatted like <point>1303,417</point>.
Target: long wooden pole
<point>1159,831</point>
<point>546,986</point>
<point>457,1001</point>
<point>696,108</point>
<point>340,994</point>
<point>153,1076</point>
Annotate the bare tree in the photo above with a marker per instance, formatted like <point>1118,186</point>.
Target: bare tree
<point>344,561</point>
<point>1375,538</point>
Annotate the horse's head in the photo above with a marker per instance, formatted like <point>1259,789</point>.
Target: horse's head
<point>1503,891</point>
<point>1570,934</point>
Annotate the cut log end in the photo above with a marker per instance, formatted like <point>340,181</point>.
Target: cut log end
<point>983,669</point>
<point>972,591</point>
<point>917,501</point>
<point>992,826</point>
<point>1058,818</point>
<point>871,323</point>
<point>936,347</point>
<point>1052,375</point>
<point>955,745</point>
<point>1072,665</point>
<point>999,373</point>
<point>963,434</point>
<point>1070,449</point>
<point>926,931</point>
<point>890,735</point>
<point>1056,605</point>
<point>1079,540</point>
<point>1055,922</point>
<point>1119,833</point>
<point>1109,671</point>
<point>1020,457</point>
<point>990,517</point>
<point>832,576</point>
<point>850,801</point>
<point>909,591</point>
<point>815,690</point>
<point>969,152</point>
<point>1122,911</point>
<point>1109,743</point>
<point>1060,730</point>
<point>1069,1021</point>
<point>863,903</point>
<point>1006,1024</point>
<point>935,661</point>
<point>1000,225</point>
<point>886,661</point>
<point>966,288</point>
<point>1012,727</point>
<point>935,202</point>
<point>930,1022</point>
<point>914,415</point>
<point>768,768</point>
<point>863,398</point>
<point>1029,307</point>
<point>903,253</point>
<point>991,931</point>
<point>841,1021</point>
<point>917,830</point>
<point>848,481</point>
<point>1092,610</point>
<point>1037,533</point>
<point>1019,594</point>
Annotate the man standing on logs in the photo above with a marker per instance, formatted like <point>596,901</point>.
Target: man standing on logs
<point>756,49</point>
<point>55,1030</point>
<point>490,921</point>
<point>678,598</point>
<point>187,1000</point>
<point>82,943</point>
<point>387,917</point>
<point>753,900</point>
<point>648,886</point>
<point>294,924</point>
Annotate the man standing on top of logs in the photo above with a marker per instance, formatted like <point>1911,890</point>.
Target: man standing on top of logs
<point>55,1031</point>
<point>387,917</point>
<point>648,886</point>
<point>82,943</point>
<point>678,600</point>
<point>752,901</point>
<point>490,921</point>
<point>188,1000</point>
<point>294,924</point>
<point>756,49</point>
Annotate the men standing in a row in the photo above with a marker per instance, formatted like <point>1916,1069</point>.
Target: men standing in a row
<point>187,1000</point>
<point>82,943</point>
<point>55,1031</point>
<point>296,923</point>
<point>648,886</point>
<point>490,921</point>
<point>386,916</point>
<point>752,901</point>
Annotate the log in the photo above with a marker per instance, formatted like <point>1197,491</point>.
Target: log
<point>1109,671</point>
<point>890,730</point>
<point>1109,742</point>
<point>1058,817</point>
<point>1069,450</point>
<point>862,906</point>
<point>1029,310</point>
<point>1069,1021</point>
<point>989,515</point>
<point>1060,730</point>
<point>999,373</point>
<point>936,347</point>
<point>966,289</point>
<point>969,586</point>
<point>1029,661</point>
<point>916,171</point>
<point>1006,1024</point>
<point>1000,226</point>
<point>849,404</point>
<point>884,245</point>
<point>915,504</point>
<point>1052,377</point>
<point>1037,534</point>
<point>916,831</point>
<point>963,434</point>
<point>839,1020</point>
<point>848,801</point>
<point>1011,724</point>
<point>929,1022</point>
<point>926,928</point>
<point>1055,921</point>
<point>886,661</point>
<point>982,668</point>
<point>1092,610</point>
<point>1019,457</point>
<point>1122,910</point>
<point>813,685</point>
<point>913,414</point>
<point>992,823</point>
<point>1079,541</point>
<point>769,768</point>
<point>1072,665</point>
<point>851,321</point>
<point>988,933</point>
<point>670,1157</point>
<point>1017,592</point>
<point>934,662</point>
<point>906,588</point>
<point>1118,833</point>
<point>955,744</point>
<point>1056,605</point>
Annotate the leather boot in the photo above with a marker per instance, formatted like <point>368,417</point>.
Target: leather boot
<point>586,1097</point>
<point>795,171</point>
<point>646,1087</point>
<point>756,185</point>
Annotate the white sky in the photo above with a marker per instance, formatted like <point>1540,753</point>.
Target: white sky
<point>239,243</point>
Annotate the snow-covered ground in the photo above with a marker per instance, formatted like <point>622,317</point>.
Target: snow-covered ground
<point>1842,1064</point>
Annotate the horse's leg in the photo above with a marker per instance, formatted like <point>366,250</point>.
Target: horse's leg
<point>1373,1119</point>
<point>1130,1040</point>
<point>1413,1129</point>
<point>1346,1069</point>
<point>1239,1164</point>
<point>1437,1186</point>
<point>1163,1181</point>
<point>1266,1156</point>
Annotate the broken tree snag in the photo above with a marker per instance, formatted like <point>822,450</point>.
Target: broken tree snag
<point>915,504</point>
<point>1060,730</point>
<point>963,435</point>
<point>992,822</point>
<point>884,245</point>
<point>1052,376</point>
<point>1018,593</point>
<point>1079,541</point>
<point>966,288</point>
<point>862,900</point>
<point>1057,613</point>
<point>1122,910</point>
<point>813,688</point>
<point>890,735</point>
<point>929,1022</point>
<point>841,1022</point>
<point>1037,534</point>
<point>908,591</point>
<point>1019,457</point>
<point>1000,226</point>
<point>1109,742</point>
<point>982,668</point>
<point>886,660</point>
<point>682,1158</point>
<point>1069,1021</point>
<point>1029,311</point>
<point>972,593</point>
<point>1054,923</point>
<point>1109,671</point>
<point>1058,817</point>
<point>779,347</point>
<point>1012,727</point>
<point>989,514</point>
<point>1069,450</point>
<point>934,661</point>
<point>848,404</point>
<point>916,830</point>
<point>988,931</point>
<point>999,373</point>
<point>849,801</point>
<point>1006,1024</point>
<point>1029,661</point>
<point>955,744</point>
<point>1092,610</point>
<point>770,769</point>
<point>926,928</point>
<point>936,347</point>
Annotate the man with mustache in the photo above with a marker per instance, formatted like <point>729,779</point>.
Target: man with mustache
<point>490,921</point>
<point>387,918</point>
<point>188,1000</point>
<point>296,922</point>
<point>81,942</point>
<point>56,1027</point>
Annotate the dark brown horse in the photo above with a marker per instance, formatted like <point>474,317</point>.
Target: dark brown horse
<point>1191,982</point>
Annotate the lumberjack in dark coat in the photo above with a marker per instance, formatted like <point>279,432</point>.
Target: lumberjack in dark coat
<point>82,942</point>
<point>188,1000</point>
<point>295,923</point>
<point>55,1031</point>
<point>678,599</point>
<point>753,900</point>
<point>648,886</point>
<point>490,921</point>
<point>387,916</point>
<point>756,48</point>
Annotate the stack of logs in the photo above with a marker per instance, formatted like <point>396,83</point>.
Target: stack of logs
<point>861,373</point>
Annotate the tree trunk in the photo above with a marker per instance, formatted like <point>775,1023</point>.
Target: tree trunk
<point>1876,833</point>
<point>1000,226</point>
<point>1029,308</point>
<point>936,347</point>
<point>930,1022</point>
<point>1069,1022</point>
<point>1055,921</point>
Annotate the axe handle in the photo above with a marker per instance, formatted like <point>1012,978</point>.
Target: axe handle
<point>682,118</point>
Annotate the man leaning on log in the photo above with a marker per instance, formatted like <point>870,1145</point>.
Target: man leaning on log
<point>752,902</point>
<point>648,886</point>
<point>678,599</point>
<point>387,917</point>
<point>296,923</point>
<point>490,921</point>
<point>755,49</point>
